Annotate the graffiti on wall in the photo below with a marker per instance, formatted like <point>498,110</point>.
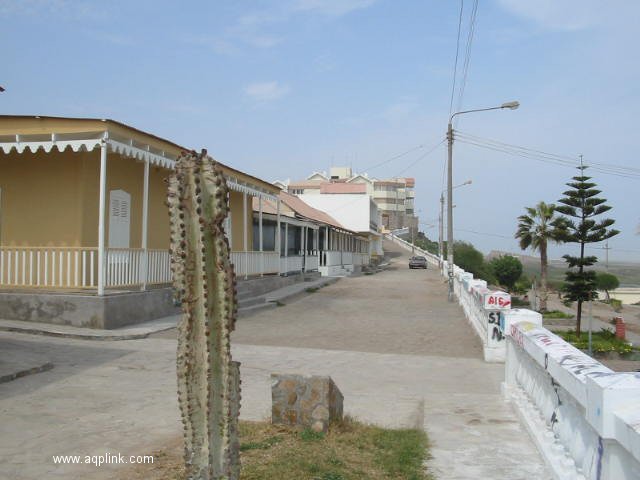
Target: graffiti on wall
<point>495,326</point>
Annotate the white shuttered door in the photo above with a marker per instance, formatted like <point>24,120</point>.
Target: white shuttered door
<point>119,218</point>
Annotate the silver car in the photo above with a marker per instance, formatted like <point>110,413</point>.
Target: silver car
<point>418,262</point>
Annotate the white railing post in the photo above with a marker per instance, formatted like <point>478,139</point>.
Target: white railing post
<point>245,230</point>
<point>101,213</point>
<point>144,261</point>
<point>260,235</point>
<point>278,234</point>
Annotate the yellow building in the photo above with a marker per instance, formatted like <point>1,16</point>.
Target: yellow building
<point>82,210</point>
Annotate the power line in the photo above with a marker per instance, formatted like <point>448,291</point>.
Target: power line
<point>395,157</point>
<point>483,233</point>
<point>606,167</point>
<point>421,157</point>
<point>455,65</point>
<point>467,56</point>
<point>539,155</point>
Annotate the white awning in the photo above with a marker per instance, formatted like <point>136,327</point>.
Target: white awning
<point>88,141</point>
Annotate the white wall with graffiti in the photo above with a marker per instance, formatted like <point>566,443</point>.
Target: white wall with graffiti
<point>488,311</point>
<point>584,418</point>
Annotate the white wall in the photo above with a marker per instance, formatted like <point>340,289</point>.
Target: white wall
<point>584,418</point>
<point>353,211</point>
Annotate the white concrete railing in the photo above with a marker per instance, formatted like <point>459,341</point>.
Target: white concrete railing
<point>584,418</point>
<point>431,258</point>
<point>291,264</point>
<point>255,263</point>
<point>126,267</point>
<point>54,267</point>
<point>330,258</point>
<point>312,262</point>
<point>361,258</point>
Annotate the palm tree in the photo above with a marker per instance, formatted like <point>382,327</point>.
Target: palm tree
<point>535,229</point>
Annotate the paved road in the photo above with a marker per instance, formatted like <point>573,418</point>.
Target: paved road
<point>399,352</point>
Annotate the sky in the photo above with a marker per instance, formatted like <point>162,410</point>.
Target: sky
<point>281,88</point>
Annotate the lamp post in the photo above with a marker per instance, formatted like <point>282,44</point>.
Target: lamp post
<point>510,106</point>
<point>441,220</point>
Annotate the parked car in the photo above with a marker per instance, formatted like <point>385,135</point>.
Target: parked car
<point>417,262</point>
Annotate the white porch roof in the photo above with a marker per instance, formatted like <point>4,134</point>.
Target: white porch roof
<point>128,147</point>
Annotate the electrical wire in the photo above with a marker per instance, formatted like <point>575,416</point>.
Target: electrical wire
<point>467,56</point>
<point>483,233</point>
<point>455,65</point>
<point>395,157</point>
<point>546,157</point>
<point>421,157</point>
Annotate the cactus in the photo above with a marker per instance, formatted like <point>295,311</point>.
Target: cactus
<point>204,281</point>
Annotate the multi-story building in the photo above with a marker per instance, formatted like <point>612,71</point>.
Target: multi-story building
<point>394,197</point>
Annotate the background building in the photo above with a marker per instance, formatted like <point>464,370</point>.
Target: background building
<point>394,197</point>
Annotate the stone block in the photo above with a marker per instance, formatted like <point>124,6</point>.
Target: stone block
<point>309,401</point>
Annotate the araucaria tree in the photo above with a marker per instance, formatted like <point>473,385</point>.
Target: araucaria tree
<point>208,380</point>
<point>581,205</point>
<point>535,229</point>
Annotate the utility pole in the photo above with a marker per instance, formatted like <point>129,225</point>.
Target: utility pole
<point>413,233</point>
<point>450,208</point>
<point>606,249</point>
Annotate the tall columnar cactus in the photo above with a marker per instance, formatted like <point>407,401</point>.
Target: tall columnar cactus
<point>204,280</point>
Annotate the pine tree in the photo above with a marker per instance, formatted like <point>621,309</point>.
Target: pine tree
<point>582,204</point>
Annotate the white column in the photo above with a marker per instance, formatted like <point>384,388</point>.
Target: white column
<point>302,242</point>
<point>326,238</point>
<point>260,234</point>
<point>230,223</point>
<point>101,214</point>
<point>278,236</point>
<point>145,225</point>
<point>286,247</point>
<point>245,238</point>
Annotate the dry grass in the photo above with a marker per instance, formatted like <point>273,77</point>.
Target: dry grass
<point>349,451</point>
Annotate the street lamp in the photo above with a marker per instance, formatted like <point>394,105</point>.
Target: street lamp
<point>510,106</point>
<point>441,220</point>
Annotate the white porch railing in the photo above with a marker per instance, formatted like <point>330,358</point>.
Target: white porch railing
<point>361,258</point>
<point>330,258</point>
<point>77,267</point>
<point>255,263</point>
<point>291,264</point>
<point>126,267</point>
<point>61,267</point>
<point>311,262</point>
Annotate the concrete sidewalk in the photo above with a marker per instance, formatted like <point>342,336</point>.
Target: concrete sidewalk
<point>143,330</point>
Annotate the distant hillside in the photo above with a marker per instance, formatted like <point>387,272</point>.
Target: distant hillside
<point>627,272</point>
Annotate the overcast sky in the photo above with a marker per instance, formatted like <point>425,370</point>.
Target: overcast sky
<point>281,88</point>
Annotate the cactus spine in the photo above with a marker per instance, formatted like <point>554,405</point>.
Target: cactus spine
<point>204,280</point>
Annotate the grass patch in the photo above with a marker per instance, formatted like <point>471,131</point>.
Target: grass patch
<point>280,304</point>
<point>311,289</point>
<point>603,341</point>
<point>348,451</point>
<point>556,314</point>
<point>518,302</point>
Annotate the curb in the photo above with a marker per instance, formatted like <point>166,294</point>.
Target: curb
<point>81,336</point>
<point>23,373</point>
